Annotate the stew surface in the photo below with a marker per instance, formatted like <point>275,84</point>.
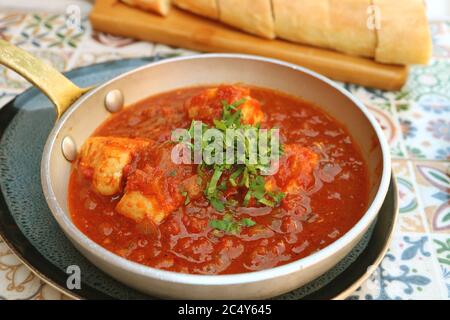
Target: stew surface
<point>126,193</point>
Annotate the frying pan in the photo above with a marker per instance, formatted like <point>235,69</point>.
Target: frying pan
<point>81,110</point>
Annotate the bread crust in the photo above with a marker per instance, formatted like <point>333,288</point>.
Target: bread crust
<point>303,21</point>
<point>350,32</point>
<point>343,25</point>
<point>253,16</point>
<point>404,35</point>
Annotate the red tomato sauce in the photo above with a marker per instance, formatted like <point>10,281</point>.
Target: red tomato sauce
<point>184,242</point>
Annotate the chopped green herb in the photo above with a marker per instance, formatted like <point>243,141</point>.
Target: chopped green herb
<point>229,225</point>
<point>245,179</point>
<point>220,125</point>
<point>246,174</point>
<point>217,204</point>
<point>236,104</point>
<point>232,203</point>
<point>212,185</point>
<point>173,173</point>
<point>222,186</point>
<point>266,202</point>
<point>277,197</point>
<point>246,222</point>
<point>217,233</point>
<point>234,176</point>
<point>258,187</point>
<point>187,200</point>
<point>247,197</point>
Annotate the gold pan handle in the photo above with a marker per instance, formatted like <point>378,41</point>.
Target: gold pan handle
<point>60,90</point>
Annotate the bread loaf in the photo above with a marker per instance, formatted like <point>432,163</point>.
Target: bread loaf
<point>342,25</point>
<point>399,33</point>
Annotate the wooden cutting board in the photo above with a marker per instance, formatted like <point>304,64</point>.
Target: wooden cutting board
<point>182,29</point>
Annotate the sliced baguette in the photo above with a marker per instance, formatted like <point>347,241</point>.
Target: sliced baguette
<point>350,32</point>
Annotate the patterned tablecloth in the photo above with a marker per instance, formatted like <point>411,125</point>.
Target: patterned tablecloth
<point>415,120</point>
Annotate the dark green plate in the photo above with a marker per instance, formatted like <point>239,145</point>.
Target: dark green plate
<point>28,227</point>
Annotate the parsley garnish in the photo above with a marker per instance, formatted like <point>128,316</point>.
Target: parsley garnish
<point>187,200</point>
<point>246,174</point>
<point>217,203</point>
<point>172,173</point>
<point>242,175</point>
<point>231,226</point>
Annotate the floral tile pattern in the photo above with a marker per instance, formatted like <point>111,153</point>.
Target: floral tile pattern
<point>410,217</point>
<point>384,106</point>
<point>404,273</point>
<point>50,31</point>
<point>16,280</point>
<point>49,293</point>
<point>415,121</point>
<point>10,24</point>
<point>433,180</point>
<point>87,58</point>
<point>423,120</point>
<point>100,47</point>
<point>442,246</point>
<point>100,41</point>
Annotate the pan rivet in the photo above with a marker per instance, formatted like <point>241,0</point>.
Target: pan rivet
<point>69,148</point>
<point>114,100</point>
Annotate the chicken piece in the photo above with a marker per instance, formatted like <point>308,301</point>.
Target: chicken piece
<point>137,206</point>
<point>156,190</point>
<point>207,105</point>
<point>149,194</point>
<point>296,170</point>
<point>104,159</point>
<point>251,111</point>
